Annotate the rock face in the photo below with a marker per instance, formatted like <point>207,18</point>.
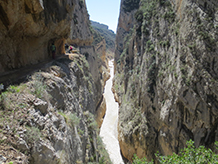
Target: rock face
<point>98,62</point>
<point>80,33</point>
<point>53,118</point>
<point>125,24</point>
<point>28,27</point>
<point>100,49</point>
<point>166,75</point>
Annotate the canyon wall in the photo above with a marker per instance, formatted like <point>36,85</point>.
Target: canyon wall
<point>54,116</point>
<point>28,28</point>
<point>166,75</point>
<point>51,118</point>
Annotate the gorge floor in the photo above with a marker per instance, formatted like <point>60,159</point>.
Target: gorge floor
<point>108,131</point>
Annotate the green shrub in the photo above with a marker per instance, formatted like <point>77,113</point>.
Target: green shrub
<point>129,5</point>
<point>151,48</point>
<point>13,89</point>
<point>188,155</point>
<point>39,88</point>
<point>176,75</point>
<point>73,120</point>
<point>170,16</point>
<point>81,3</point>
<point>136,160</point>
<point>64,115</point>
<point>93,125</point>
<point>32,135</point>
<point>139,15</point>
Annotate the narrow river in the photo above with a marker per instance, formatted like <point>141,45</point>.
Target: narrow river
<point>108,130</point>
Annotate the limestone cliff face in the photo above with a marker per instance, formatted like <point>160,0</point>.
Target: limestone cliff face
<point>125,24</point>
<point>100,50</point>
<point>166,75</point>
<point>51,118</point>
<point>100,73</point>
<point>80,33</point>
<point>28,27</point>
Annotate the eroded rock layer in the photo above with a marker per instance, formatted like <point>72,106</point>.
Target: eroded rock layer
<point>51,118</point>
<point>54,117</point>
<point>166,75</point>
<point>28,28</point>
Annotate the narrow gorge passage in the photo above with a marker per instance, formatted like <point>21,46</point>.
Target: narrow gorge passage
<point>108,131</point>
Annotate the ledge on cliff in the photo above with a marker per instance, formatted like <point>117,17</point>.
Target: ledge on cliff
<point>28,28</point>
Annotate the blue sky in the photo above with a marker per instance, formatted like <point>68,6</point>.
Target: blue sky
<point>104,11</point>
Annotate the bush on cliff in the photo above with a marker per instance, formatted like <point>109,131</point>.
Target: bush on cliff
<point>188,155</point>
<point>129,5</point>
<point>137,160</point>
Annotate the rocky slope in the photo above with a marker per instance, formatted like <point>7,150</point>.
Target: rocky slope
<point>28,27</point>
<point>51,118</point>
<point>166,75</point>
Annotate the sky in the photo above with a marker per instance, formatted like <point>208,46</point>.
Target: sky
<point>104,11</point>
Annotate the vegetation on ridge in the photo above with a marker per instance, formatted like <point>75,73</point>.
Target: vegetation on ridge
<point>101,32</point>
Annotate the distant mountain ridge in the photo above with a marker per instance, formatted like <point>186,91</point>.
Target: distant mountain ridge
<point>105,33</point>
<point>99,25</point>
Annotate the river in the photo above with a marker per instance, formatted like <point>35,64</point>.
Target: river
<point>108,130</point>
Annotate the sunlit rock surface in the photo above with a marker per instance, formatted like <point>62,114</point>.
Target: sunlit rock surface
<point>166,76</point>
<point>28,28</point>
